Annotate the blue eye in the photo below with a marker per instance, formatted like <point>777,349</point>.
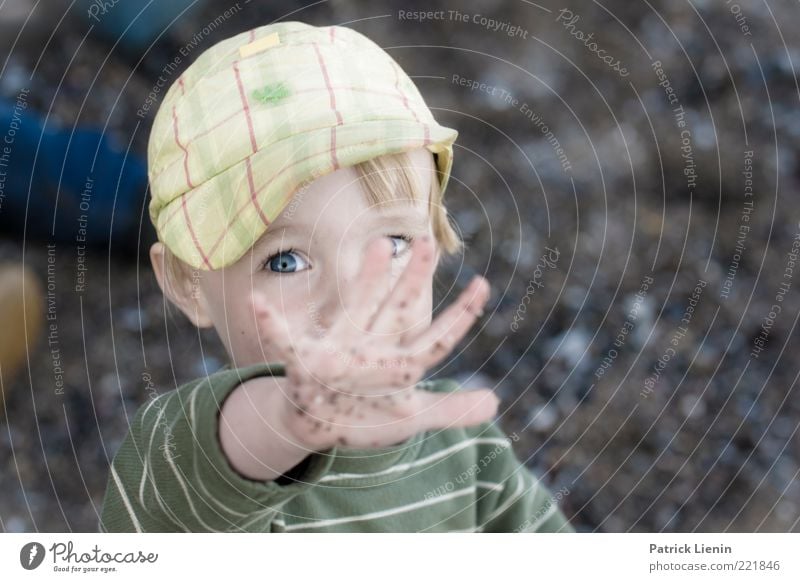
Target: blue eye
<point>405,239</point>
<point>289,261</point>
<point>284,262</point>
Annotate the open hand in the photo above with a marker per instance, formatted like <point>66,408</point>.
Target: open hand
<point>356,386</point>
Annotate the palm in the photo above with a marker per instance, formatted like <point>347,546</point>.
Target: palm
<point>357,387</point>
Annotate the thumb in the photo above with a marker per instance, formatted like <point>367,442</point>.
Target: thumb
<point>460,408</point>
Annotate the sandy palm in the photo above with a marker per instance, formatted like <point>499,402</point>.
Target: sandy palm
<point>363,393</point>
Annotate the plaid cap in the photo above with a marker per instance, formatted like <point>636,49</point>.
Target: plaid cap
<point>258,116</point>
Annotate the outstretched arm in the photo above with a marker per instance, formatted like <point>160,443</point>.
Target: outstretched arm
<point>171,474</point>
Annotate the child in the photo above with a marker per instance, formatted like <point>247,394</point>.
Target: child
<point>280,162</point>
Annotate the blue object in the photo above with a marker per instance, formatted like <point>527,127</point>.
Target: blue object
<point>78,205</point>
<point>136,24</point>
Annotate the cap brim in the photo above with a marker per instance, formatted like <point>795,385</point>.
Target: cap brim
<point>215,224</point>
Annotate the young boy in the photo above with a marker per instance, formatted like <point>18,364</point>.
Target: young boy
<point>281,161</point>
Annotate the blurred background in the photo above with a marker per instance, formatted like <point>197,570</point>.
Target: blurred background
<point>626,177</point>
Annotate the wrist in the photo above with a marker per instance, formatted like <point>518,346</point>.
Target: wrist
<point>253,432</point>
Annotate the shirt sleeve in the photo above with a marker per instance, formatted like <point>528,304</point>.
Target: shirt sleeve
<point>510,497</point>
<point>170,473</point>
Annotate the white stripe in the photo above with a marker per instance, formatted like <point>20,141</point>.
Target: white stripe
<point>147,456</point>
<point>488,485</point>
<point>385,512</point>
<point>156,493</point>
<point>256,517</point>
<point>259,514</point>
<point>149,404</point>
<point>194,463</point>
<point>141,483</point>
<point>547,515</point>
<point>508,502</point>
<point>178,478</point>
<point>404,466</point>
<point>125,500</point>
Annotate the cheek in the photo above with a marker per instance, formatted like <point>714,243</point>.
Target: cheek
<point>237,328</point>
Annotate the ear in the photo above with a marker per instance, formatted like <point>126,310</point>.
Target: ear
<point>186,294</point>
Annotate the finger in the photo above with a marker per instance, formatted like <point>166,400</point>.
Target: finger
<point>451,325</point>
<point>393,315</point>
<point>364,295</point>
<point>456,409</point>
<point>428,411</point>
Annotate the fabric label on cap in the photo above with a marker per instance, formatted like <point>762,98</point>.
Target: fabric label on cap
<point>259,45</point>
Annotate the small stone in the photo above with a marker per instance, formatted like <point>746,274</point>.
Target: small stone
<point>543,417</point>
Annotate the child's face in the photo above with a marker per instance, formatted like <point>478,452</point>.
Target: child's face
<point>310,255</point>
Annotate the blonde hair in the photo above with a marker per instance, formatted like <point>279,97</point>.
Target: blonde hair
<point>380,176</point>
<point>386,178</point>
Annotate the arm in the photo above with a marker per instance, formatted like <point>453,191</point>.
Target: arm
<point>519,502</point>
<point>251,430</point>
<point>171,473</point>
<point>212,470</point>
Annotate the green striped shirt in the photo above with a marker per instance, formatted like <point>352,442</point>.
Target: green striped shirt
<point>170,474</point>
